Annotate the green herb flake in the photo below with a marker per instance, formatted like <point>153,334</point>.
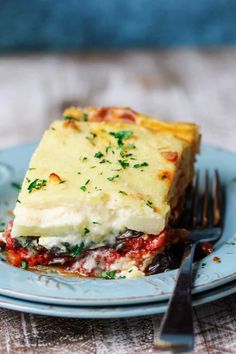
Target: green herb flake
<point>86,231</point>
<point>125,154</point>
<point>149,203</point>
<point>24,264</point>
<point>130,270</point>
<point>138,165</point>
<point>37,184</point>
<point>16,185</point>
<point>105,161</point>
<point>83,188</point>
<point>96,223</point>
<point>122,192</point>
<point>18,201</point>
<point>113,177</point>
<point>84,158</point>
<point>84,117</point>
<point>108,275</point>
<point>121,135</point>
<point>108,148</point>
<point>52,128</point>
<point>77,250</point>
<point>124,163</point>
<point>131,146</point>
<point>93,166</point>
<point>69,118</point>
<point>98,154</point>
<point>87,182</point>
<point>32,168</point>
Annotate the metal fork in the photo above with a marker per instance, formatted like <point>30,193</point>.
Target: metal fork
<point>204,219</point>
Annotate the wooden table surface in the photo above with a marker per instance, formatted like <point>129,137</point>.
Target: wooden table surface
<point>188,85</point>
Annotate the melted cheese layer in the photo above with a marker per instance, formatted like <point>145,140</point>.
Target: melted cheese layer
<point>83,180</point>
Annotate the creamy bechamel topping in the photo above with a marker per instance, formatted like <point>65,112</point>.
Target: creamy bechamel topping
<point>89,181</point>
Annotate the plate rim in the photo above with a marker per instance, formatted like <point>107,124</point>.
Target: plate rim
<point>138,310</point>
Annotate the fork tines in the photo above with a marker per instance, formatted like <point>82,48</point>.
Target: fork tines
<point>206,208</point>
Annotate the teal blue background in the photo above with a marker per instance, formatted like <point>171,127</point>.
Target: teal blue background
<point>75,24</point>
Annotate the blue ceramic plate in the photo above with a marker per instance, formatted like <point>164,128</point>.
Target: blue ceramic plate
<point>55,289</point>
<point>110,311</point>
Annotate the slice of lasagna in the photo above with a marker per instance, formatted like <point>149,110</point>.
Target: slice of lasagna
<point>101,194</point>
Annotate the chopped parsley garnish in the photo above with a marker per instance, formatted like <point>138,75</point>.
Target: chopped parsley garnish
<point>52,128</point>
<point>121,135</point>
<point>138,165</point>
<point>122,192</point>
<point>83,188</point>
<point>24,264</point>
<point>99,154</point>
<point>125,154</point>
<point>131,146</point>
<point>69,118</point>
<point>108,275</point>
<point>77,250</point>
<point>113,177</point>
<point>84,158</point>
<point>27,179</point>
<point>18,201</point>
<point>124,163</point>
<point>105,161</point>
<point>108,148</point>
<point>32,168</point>
<point>16,185</point>
<point>84,117</point>
<point>130,270</point>
<point>37,184</point>
<point>149,203</point>
<point>94,166</point>
<point>78,173</point>
<point>86,231</point>
<point>87,182</point>
<point>96,223</point>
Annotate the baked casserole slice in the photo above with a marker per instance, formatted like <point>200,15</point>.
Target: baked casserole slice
<point>102,193</point>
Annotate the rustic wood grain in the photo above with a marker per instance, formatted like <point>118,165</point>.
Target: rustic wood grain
<point>193,85</point>
<point>215,325</point>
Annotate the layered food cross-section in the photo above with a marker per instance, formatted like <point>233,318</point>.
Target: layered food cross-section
<point>102,193</point>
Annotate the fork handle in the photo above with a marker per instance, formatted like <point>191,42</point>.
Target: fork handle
<point>176,332</point>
